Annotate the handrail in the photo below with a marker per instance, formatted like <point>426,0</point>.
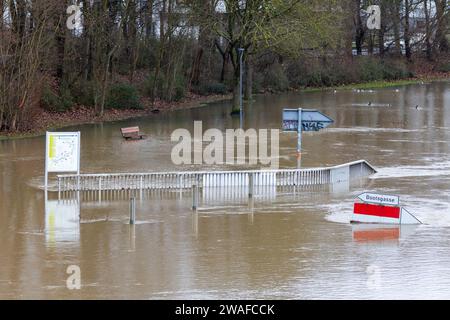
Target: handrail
<point>184,179</point>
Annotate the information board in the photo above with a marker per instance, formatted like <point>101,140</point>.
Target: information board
<point>63,151</point>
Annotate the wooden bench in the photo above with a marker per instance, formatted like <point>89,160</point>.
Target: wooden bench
<point>132,133</point>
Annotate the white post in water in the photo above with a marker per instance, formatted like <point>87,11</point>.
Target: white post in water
<point>195,223</point>
<point>299,138</point>
<point>132,238</point>
<point>251,213</point>
<point>194,197</point>
<point>250,185</point>
<point>132,211</point>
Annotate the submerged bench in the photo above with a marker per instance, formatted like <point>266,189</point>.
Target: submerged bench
<point>132,133</point>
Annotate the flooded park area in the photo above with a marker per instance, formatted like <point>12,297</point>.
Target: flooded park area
<point>285,243</point>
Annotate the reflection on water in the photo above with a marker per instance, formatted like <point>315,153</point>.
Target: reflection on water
<point>379,233</point>
<point>366,233</point>
<point>284,243</point>
<point>62,222</point>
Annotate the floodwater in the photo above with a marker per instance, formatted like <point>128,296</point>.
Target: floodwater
<point>290,243</point>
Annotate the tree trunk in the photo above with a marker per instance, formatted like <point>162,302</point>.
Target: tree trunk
<point>204,44</point>
<point>87,34</point>
<point>162,19</point>
<point>397,37</point>
<point>223,72</point>
<point>162,46</point>
<point>60,38</point>
<point>225,60</point>
<point>105,84</point>
<point>60,48</point>
<point>381,42</point>
<point>359,38</point>
<point>370,43</point>
<point>148,20</point>
<point>381,32</point>
<point>427,31</point>
<point>132,38</point>
<point>18,15</point>
<point>234,57</point>
<point>406,34</point>
<point>22,17</point>
<point>442,26</point>
<point>195,72</point>
<point>346,45</point>
<point>168,59</point>
<point>13,123</point>
<point>1,117</point>
<point>2,12</point>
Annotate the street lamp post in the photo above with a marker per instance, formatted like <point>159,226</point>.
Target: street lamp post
<point>241,87</point>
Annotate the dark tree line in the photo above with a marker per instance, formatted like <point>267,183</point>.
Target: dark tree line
<point>166,48</point>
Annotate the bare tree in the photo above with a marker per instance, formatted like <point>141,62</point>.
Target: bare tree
<point>428,28</point>
<point>360,30</point>
<point>2,13</point>
<point>407,29</point>
<point>442,18</point>
<point>259,25</point>
<point>21,55</point>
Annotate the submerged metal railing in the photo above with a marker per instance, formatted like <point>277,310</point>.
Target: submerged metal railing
<point>185,180</point>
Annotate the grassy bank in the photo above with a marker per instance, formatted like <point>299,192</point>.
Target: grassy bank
<point>380,84</point>
<point>373,85</point>
<point>50,121</point>
<point>82,115</point>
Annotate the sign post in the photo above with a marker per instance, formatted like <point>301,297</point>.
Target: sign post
<point>375,198</point>
<point>299,139</point>
<point>299,131</point>
<point>62,153</point>
<point>381,209</point>
<point>308,120</point>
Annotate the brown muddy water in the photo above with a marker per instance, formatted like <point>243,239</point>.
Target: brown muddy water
<point>293,244</point>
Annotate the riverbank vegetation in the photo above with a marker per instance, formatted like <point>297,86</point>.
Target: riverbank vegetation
<point>140,56</point>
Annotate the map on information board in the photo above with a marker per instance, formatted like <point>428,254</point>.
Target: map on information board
<point>63,154</point>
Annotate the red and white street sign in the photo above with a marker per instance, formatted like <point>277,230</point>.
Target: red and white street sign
<point>372,213</point>
<point>381,214</point>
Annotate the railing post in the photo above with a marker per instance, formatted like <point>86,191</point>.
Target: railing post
<point>100,189</point>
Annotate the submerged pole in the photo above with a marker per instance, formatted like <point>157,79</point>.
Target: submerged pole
<point>194,197</point>
<point>251,213</point>
<point>250,185</point>
<point>132,210</point>
<point>299,138</point>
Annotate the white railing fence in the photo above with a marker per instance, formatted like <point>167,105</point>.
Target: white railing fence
<point>214,179</point>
